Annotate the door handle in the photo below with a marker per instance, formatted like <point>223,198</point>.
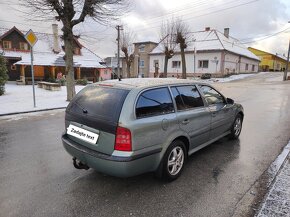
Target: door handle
<point>186,121</point>
<point>213,114</point>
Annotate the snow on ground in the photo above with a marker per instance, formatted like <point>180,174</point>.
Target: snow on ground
<point>228,79</point>
<point>19,98</point>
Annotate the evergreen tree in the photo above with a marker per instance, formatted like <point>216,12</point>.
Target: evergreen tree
<point>3,74</point>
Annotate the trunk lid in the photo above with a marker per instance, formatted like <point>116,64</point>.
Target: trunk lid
<point>96,110</point>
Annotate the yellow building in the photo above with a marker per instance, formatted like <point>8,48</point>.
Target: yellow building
<point>269,61</point>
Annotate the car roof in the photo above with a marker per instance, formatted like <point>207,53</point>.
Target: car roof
<point>131,83</point>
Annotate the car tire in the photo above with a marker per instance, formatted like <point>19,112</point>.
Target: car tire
<point>237,127</point>
<point>174,160</point>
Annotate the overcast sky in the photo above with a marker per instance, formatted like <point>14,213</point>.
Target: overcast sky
<point>255,22</point>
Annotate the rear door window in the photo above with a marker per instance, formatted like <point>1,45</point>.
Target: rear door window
<point>154,102</point>
<point>187,97</point>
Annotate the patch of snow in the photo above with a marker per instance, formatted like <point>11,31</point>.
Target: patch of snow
<point>19,98</point>
<point>228,79</point>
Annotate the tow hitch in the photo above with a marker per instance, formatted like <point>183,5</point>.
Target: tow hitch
<point>79,165</point>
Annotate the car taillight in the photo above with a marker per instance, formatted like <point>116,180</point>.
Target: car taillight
<point>123,140</point>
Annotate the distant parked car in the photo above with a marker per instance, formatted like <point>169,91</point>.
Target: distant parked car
<point>125,128</point>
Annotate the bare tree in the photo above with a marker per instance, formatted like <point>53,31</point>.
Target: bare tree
<point>181,34</point>
<point>71,13</point>
<point>168,41</point>
<point>127,39</point>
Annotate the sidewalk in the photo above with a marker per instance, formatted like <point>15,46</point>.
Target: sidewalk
<point>19,99</point>
<point>277,201</point>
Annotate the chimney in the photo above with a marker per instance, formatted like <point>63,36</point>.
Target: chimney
<point>56,47</point>
<point>207,28</point>
<point>227,32</point>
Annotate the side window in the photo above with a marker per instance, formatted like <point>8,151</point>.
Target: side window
<point>154,102</point>
<point>177,97</point>
<point>211,95</point>
<point>187,97</point>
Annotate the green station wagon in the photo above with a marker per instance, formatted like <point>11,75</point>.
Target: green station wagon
<point>129,127</point>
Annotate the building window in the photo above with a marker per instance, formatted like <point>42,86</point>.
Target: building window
<point>7,45</point>
<point>203,64</point>
<point>141,64</point>
<point>23,46</point>
<point>106,72</point>
<point>176,64</point>
<point>247,67</point>
<point>253,68</point>
<point>142,48</point>
<point>156,63</point>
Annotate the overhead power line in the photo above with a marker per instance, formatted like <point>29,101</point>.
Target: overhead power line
<point>205,14</point>
<point>261,38</point>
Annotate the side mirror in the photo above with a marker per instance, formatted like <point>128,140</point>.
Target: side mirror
<point>230,101</point>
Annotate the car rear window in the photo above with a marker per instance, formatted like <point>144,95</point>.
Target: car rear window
<point>100,102</point>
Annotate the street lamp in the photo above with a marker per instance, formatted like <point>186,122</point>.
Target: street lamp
<point>287,63</point>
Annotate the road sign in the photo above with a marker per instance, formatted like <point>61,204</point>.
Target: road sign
<point>31,38</point>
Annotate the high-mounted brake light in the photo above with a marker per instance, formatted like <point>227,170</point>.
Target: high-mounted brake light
<point>123,140</point>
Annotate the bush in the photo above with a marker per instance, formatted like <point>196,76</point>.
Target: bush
<point>3,74</point>
<point>62,81</point>
<point>82,82</point>
<point>206,76</point>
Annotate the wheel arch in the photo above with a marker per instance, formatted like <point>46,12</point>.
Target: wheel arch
<point>185,140</point>
<point>242,114</point>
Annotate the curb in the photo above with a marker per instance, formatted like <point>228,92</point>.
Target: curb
<point>32,111</point>
<point>281,159</point>
<point>251,202</point>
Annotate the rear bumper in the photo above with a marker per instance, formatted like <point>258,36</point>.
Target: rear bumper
<point>113,165</point>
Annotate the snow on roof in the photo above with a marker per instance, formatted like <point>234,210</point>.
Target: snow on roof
<point>45,56</point>
<point>212,40</point>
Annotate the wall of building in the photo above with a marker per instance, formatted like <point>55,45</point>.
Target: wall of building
<point>219,63</point>
<point>13,70</point>
<point>269,62</point>
<point>15,38</point>
<point>189,58</point>
<point>231,63</point>
<point>143,56</point>
<point>105,74</point>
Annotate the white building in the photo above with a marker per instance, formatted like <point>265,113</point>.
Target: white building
<point>208,51</point>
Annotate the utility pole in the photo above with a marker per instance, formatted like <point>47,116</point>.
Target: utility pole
<point>194,56</point>
<point>118,27</point>
<point>287,64</point>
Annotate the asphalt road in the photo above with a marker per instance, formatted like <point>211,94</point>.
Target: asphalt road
<point>37,177</point>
